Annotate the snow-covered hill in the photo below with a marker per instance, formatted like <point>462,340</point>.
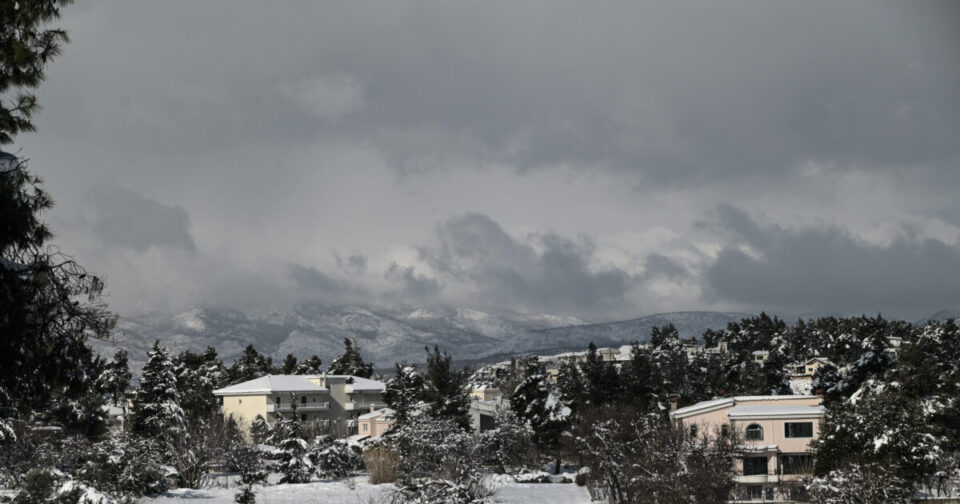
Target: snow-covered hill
<point>386,335</point>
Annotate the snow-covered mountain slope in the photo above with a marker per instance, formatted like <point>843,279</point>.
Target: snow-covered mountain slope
<point>386,335</point>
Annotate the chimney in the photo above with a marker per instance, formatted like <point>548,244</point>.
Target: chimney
<point>371,408</point>
<point>673,403</point>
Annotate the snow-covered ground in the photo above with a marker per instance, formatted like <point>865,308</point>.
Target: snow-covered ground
<point>360,491</point>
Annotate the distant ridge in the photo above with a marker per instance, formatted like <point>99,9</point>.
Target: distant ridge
<point>388,335</point>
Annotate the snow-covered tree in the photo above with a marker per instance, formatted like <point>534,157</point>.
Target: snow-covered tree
<point>115,379</point>
<point>198,375</point>
<point>350,362</point>
<point>335,458</point>
<point>125,465</point>
<point>404,392</point>
<point>533,403</point>
<point>570,386</point>
<point>311,366</point>
<point>156,404</point>
<point>247,461</point>
<point>250,365</point>
<point>295,460</point>
<point>259,430</point>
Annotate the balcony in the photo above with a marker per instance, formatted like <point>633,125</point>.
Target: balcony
<point>286,408</point>
<point>363,405</point>
<point>758,478</point>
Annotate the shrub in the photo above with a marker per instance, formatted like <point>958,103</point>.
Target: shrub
<point>382,462</point>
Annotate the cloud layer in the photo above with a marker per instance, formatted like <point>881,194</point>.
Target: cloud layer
<point>599,161</point>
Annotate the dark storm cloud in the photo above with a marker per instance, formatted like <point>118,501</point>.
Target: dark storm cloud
<point>474,248</point>
<point>826,268</point>
<point>657,265</point>
<point>128,219</point>
<point>412,286</point>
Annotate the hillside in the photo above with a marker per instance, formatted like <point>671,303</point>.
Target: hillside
<point>386,335</point>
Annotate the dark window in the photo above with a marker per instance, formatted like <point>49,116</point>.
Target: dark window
<point>276,400</point>
<point>755,492</point>
<point>769,493</point>
<point>754,432</point>
<point>693,431</point>
<point>303,400</point>
<point>303,417</point>
<point>796,464</point>
<point>724,430</point>
<point>798,429</point>
<point>754,465</point>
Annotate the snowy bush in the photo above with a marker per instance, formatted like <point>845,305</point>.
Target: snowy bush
<point>125,466</point>
<point>382,463</point>
<point>474,490</point>
<point>860,483</point>
<point>335,458</point>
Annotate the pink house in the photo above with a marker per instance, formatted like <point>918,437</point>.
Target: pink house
<point>375,423</point>
<point>777,431</point>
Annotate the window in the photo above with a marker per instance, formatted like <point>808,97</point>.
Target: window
<point>303,400</point>
<point>724,430</point>
<point>759,357</point>
<point>755,492</point>
<point>693,431</point>
<point>239,401</point>
<point>754,433</point>
<point>303,417</point>
<point>754,465</point>
<point>364,427</point>
<point>796,464</point>
<point>769,491</point>
<point>798,429</point>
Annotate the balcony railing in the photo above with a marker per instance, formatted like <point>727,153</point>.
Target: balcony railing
<point>284,408</point>
<point>363,405</point>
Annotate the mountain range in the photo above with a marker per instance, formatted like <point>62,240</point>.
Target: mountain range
<point>387,335</point>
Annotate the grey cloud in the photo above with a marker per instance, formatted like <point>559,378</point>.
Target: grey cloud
<point>322,284</point>
<point>475,249</point>
<point>357,262</point>
<point>128,219</point>
<point>825,267</point>
<point>412,285</point>
<point>658,265</point>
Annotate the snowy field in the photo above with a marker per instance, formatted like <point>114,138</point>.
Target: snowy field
<point>359,491</point>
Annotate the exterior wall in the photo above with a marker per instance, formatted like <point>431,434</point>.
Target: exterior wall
<point>373,427</point>
<point>488,394</point>
<point>773,433</point>
<point>245,408</point>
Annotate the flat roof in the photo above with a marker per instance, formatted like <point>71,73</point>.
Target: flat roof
<point>775,411</point>
<point>358,384</point>
<point>704,406</point>
<point>271,384</point>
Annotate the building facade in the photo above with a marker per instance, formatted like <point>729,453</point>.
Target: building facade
<point>322,398</point>
<point>777,431</point>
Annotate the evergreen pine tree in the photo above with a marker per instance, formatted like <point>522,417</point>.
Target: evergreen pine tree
<point>600,377</point>
<point>311,366</point>
<point>252,364</point>
<point>49,305</point>
<point>295,458</point>
<point>533,403</point>
<point>570,385</point>
<point>445,390</point>
<point>350,362</point>
<point>404,392</point>
<point>156,405</point>
<point>116,377</point>
<point>259,430</point>
<point>197,377</point>
<point>289,366</point>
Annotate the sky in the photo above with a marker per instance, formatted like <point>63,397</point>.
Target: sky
<point>599,160</point>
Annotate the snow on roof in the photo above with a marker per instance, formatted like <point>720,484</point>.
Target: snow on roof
<point>760,352</point>
<point>270,384</point>
<point>775,411</point>
<point>730,401</point>
<point>386,412</point>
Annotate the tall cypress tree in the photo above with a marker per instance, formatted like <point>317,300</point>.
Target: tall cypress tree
<point>446,391</point>
<point>115,379</point>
